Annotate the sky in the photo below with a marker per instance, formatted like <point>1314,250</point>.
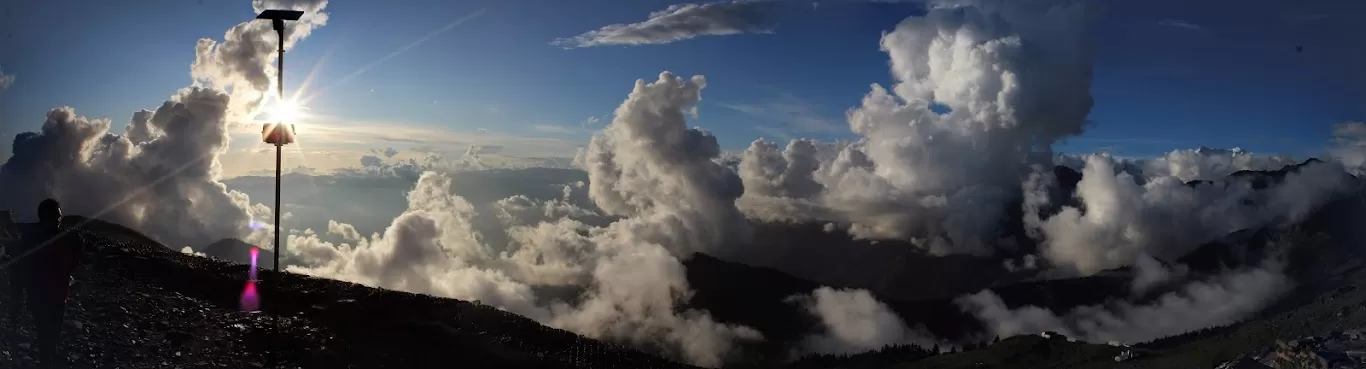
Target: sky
<point>1167,74</point>
<point>536,81</point>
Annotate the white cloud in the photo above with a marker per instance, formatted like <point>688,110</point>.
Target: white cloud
<point>680,22</point>
<point>245,60</point>
<point>674,198</point>
<point>5,79</point>
<point>1222,300</point>
<point>1210,164</point>
<point>590,122</point>
<point>942,179</point>
<point>856,322</point>
<point>162,175</point>
<point>346,231</point>
<point>1349,146</point>
<point>648,162</point>
<point>1124,221</point>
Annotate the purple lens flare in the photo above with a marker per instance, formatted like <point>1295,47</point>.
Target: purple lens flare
<point>255,252</point>
<point>250,300</point>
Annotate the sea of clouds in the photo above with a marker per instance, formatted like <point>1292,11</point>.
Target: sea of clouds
<point>983,89</point>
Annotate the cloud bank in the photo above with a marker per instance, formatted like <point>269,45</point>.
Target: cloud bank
<point>1349,146</point>
<point>646,167</point>
<point>680,22</point>
<point>1166,218</point>
<point>966,132</point>
<point>856,322</point>
<point>1222,300</point>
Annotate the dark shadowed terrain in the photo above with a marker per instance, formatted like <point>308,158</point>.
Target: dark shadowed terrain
<point>140,305</point>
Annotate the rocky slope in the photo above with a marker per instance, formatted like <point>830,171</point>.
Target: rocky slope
<point>139,305</point>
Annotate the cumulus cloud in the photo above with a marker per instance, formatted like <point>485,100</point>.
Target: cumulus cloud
<point>648,162</point>
<point>1218,301</point>
<point>1124,221</point>
<point>766,173</point>
<point>967,131</point>
<point>162,175</point>
<point>371,161</point>
<point>346,231</point>
<point>779,185</point>
<point>1210,164</point>
<point>945,148</point>
<point>680,22</point>
<point>946,175</point>
<point>411,164</point>
<point>647,168</point>
<point>1349,146</point>
<point>245,58</point>
<point>856,322</point>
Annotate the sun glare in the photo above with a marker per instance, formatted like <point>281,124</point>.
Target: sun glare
<point>286,111</point>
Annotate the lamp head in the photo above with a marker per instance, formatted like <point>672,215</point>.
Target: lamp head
<point>278,17</point>
<point>277,134</point>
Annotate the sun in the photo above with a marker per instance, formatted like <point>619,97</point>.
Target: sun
<point>285,111</point>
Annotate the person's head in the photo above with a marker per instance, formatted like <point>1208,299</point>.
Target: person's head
<point>50,213</point>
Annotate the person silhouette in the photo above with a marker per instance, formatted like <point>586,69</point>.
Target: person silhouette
<point>53,254</point>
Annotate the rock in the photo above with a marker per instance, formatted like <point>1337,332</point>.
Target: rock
<point>178,338</point>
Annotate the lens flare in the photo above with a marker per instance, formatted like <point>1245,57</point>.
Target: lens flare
<point>250,300</point>
<point>255,252</point>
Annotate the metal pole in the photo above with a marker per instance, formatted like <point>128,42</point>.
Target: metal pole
<point>279,26</point>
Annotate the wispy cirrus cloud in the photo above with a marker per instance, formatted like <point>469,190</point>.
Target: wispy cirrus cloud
<point>681,22</point>
<point>553,128</point>
<point>787,115</point>
<point>1180,24</point>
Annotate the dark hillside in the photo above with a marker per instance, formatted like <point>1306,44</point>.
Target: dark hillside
<point>140,305</point>
<point>758,297</point>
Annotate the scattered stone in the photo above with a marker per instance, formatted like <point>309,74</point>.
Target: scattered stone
<point>1332,351</point>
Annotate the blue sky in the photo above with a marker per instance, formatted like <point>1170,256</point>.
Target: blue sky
<point>1168,74</point>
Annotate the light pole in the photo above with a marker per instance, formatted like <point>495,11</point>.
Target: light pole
<point>278,134</point>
